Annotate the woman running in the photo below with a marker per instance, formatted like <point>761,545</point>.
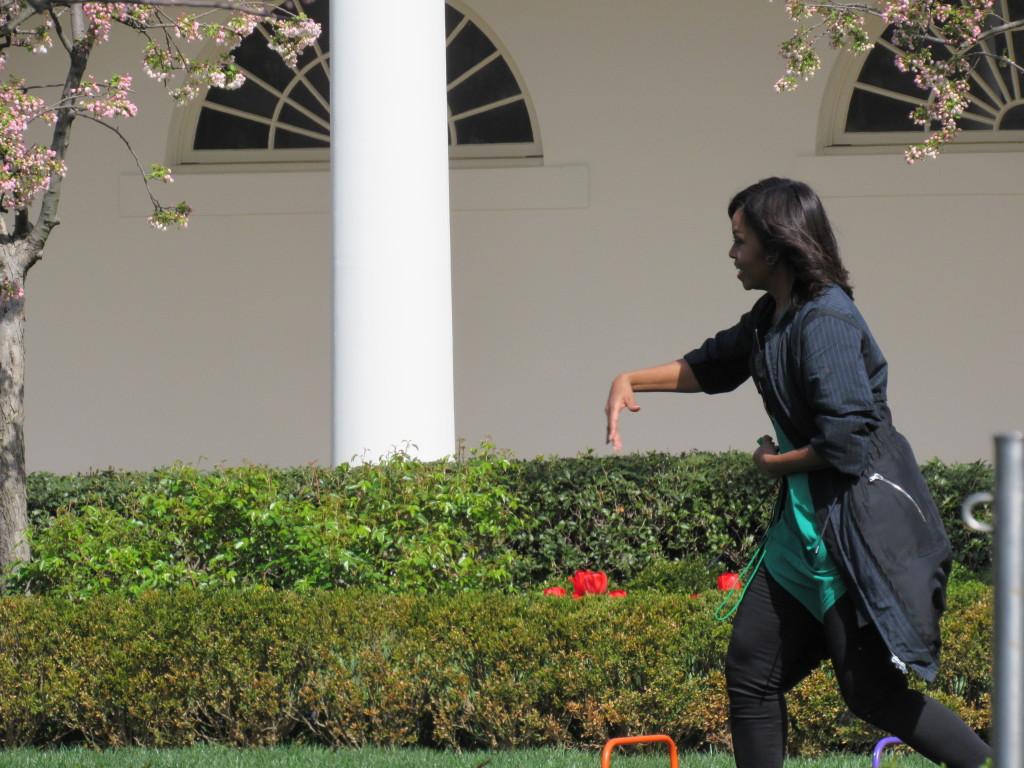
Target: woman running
<point>854,565</point>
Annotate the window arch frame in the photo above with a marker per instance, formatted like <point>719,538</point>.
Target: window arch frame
<point>834,139</point>
<point>181,151</point>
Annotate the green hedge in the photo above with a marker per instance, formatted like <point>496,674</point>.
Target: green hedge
<point>405,526</point>
<point>351,667</point>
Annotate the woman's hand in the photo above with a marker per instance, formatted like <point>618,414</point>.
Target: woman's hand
<point>620,396</point>
<point>770,462</point>
<point>764,456</point>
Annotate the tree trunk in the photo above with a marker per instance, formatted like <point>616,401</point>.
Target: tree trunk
<point>13,498</point>
<point>19,251</point>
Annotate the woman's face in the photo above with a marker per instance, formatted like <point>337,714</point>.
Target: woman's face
<point>747,254</point>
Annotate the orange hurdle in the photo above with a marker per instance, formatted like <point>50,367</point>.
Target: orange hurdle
<point>606,754</point>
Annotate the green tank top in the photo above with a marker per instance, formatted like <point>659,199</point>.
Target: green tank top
<point>795,553</point>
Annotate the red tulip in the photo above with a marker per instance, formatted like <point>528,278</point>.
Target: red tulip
<point>727,581</point>
<point>589,583</point>
<point>555,592</point>
<point>617,593</point>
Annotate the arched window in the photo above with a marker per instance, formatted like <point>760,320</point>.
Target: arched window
<point>872,99</point>
<point>282,113</point>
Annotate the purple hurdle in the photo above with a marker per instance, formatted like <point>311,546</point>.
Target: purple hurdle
<point>876,755</point>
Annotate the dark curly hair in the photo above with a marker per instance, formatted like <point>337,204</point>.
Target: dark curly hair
<point>789,220</point>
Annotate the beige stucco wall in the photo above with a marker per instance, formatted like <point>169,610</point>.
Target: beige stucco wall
<point>213,345</point>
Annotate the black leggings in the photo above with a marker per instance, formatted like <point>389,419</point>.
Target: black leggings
<point>776,642</point>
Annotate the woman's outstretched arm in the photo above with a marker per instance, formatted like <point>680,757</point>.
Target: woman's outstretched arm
<point>676,376</point>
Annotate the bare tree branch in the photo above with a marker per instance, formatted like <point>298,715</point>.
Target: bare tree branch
<point>1001,59</point>
<point>60,31</point>
<point>124,139</point>
<point>863,8</point>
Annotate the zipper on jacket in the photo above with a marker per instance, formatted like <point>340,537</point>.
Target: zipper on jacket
<point>873,478</point>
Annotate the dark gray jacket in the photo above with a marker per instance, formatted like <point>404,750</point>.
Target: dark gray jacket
<point>823,378</point>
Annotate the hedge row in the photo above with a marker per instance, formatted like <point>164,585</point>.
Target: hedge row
<point>402,525</point>
<point>349,667</point>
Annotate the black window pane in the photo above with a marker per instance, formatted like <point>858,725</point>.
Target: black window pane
<point>880,69</point>
<point>451,19</point>
<point>469,48</point>
<point>305,58</point>
<point>254,55</point>
<point>970,125</point>
<point>301,94</point>
<point>317,77</point>
<point>492,83</point>
<point>1000,48</point>
<point>939,51</point>
<point>504,125</point>
<point>285,139</point>
<point>974,109</point>
<point>1013,120</point>
<point>1018,47</point>
<point>217,130</point>
<point>293,117</point>
<point>871,112</point>
<point>250,98</point>
<point>984,72</point>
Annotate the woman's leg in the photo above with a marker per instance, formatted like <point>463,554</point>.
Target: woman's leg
<point>775,643</point>
<point>877,692</point>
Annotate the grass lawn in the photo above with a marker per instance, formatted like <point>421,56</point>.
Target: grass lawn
<point>312,757</point>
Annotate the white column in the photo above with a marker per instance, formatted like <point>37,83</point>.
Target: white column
<point>393,367</point>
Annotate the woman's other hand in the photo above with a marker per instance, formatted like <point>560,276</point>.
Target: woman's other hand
<point>766,449</point>
<point>620,396</point>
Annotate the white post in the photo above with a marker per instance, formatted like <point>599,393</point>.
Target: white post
<point>393,366</point>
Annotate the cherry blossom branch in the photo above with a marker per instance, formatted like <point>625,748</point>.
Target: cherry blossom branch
<point>864,8</point>
<point>1009,26</point>
<point>163,215</point>
<point>36,8</point>
<point>31,171</point>
<point>47,218</point>
<point>917,27</point>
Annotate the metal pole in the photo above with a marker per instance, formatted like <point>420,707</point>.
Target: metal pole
<point>1008,526</point>
<point>1008,672</point>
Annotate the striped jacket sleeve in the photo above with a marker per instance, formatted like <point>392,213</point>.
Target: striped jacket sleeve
<point>838,390</point>
<point>722,362</point>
